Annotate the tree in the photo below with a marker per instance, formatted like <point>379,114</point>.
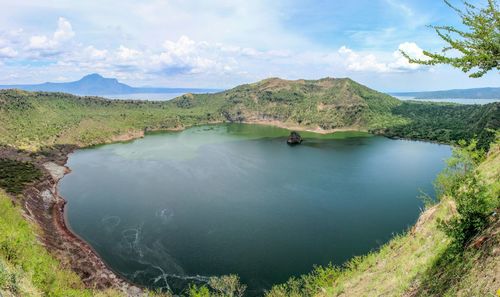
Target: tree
<point>479,46</point>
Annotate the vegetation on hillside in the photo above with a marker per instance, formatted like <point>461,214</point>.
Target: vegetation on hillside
<point>15,175</point>
<point>34,120</point>
<point>446,122</point>
<point>326,103</point>
<point>26,268</point>
<point>478,47</point>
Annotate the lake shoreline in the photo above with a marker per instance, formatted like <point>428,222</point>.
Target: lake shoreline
<point>44,206</point>
<point>318,130</point>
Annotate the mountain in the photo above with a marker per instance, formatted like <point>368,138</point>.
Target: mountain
<point>477,93</point>
<point>95,84</point>
<point>324,104</point>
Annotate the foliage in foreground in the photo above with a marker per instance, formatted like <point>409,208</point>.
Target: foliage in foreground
<point>469,265</point>
<point>475,200</point>
<point>479,47</point>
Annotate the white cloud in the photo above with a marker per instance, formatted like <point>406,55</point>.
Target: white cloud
<point>379,63</point>
<point>127,54</point>
<point>95,54</point>
<point>63,33</point>
<point>226,42</point>
<point>252,52</point>
<point>8,52</point>
<point>39,42</point>
<point>402,63</point>
<point>411,16</point>
<point>184,46</point>
<point>7,46</point>
<point>188,56</point>
<point>358,62</point>
<point>205,61</point>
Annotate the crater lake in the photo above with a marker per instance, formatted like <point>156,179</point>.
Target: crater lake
<point>175,208</point>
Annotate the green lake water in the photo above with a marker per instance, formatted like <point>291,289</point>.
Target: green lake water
<point>175,208</point>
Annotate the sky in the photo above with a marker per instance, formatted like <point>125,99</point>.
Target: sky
<point>224,43</point>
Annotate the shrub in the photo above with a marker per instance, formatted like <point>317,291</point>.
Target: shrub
<point>464,160</point>
<point>202,291</point>
<point>227,286</point>
<point>474,202</point>
<point>474,207</point>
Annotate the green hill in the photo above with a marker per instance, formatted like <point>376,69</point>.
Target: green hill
<point>30,120</point>
<point>323,104</point>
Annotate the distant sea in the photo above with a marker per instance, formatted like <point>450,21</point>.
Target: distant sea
<point>169,96</point>
<point>145,96</point>
<point>459,101</point>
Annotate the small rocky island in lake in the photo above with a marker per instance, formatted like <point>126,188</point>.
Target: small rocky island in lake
<point>294,138</point>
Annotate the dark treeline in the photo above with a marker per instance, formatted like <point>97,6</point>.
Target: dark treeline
<point>446,123</point>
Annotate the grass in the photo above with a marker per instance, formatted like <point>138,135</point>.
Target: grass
<point>471,273</point>
<point>26,268</point>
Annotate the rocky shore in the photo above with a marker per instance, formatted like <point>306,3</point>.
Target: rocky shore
<point>43,205</point>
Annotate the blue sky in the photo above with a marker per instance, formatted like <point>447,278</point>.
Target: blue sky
<point>223,43</point>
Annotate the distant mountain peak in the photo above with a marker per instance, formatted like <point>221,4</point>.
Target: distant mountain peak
<point>93,75</point>
<point>96,77</point>
<point>96,84</point>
